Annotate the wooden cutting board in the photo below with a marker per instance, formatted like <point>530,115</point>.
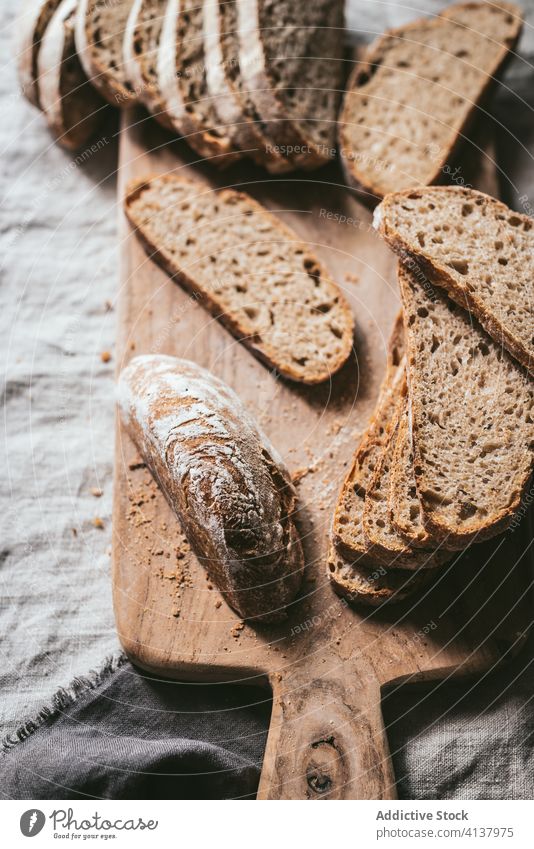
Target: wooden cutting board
<point>326,665</point>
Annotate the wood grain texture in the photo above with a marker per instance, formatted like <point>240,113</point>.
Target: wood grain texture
<point>325,665</point>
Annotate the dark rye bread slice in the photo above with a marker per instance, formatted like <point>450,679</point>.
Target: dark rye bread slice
<point>373,585</point>
<point>225,85</point>
<point>407,105</point>
<point>140,49</point>
<point>73,108</point>
<point>378,530</point>
<point>100,26</point>
<point>252,272</point>
<point>404,504</point>
<point>291,62</point>
<point>472,410</point>
<point>30,28</point>
<point>182,83</point>
<point>477,249</point>
<point>347,527</point>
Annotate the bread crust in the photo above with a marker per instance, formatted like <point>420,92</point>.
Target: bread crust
<point>33,19</point>
<point>133,190</point>
<point>224,481</point>
<point>357,179</point>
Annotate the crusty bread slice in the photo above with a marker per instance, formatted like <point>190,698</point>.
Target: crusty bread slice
<point>472,410</point>
<point>225,85</point>
<point>183,86</point>
<point>31,25</point>
<point>378,530</point>
<point>477,249</point>
<point>407,105</point>
<point>100,27</point>
<point>404,504</point>
<point>291,62</point>
<point>73,108</point>
<point>347,527</point>
<point>252,272</point>
<point>140,50</point>
<point>373,585</point>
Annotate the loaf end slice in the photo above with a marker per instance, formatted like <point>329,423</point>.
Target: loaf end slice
<point>477,249</point>
<point>472,409</point>
<point>251,271</point>
<point>100,28</point>
<point>30,28</point>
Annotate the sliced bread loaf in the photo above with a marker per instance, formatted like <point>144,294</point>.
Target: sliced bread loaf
<point>290,58</point>
<point>232,102</point>
<point>31,25</point>
<point>477,249</point>
<point>408,103</point>
<point>182,83</point>
<point>100,27</point>
<point>73,108</point>
<point>373,585</point>
<point>140,49</point>
<point>472,410</point>
<point>347,527</point>
<point>252,272</point>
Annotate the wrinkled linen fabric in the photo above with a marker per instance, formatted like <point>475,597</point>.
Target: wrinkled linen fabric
<point>59,278</point>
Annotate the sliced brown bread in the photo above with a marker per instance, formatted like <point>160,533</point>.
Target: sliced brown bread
<point>73,108</point>
<point>404,504</point>
<point>100,27</point>
<point>140,49</point>
<point>373,585</point>
<point>347,527</point>
<point>252,272</point>
<point>477,249</point>
<point>31,25</point>
<point>408,103</point>
<point>379,531</point>
<point>182,83</point>
<point>472,410</point>
<point>290,57</point>
<point>231,101</point>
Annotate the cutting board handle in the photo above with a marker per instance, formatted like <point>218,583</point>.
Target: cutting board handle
<point>326,740</point>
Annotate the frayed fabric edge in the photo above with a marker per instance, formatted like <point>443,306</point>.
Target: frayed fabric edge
<point>62,699</point>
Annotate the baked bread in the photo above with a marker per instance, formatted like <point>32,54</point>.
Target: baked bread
<point>31,25</point>
<point>227,485</point>
<point>232,102</point>
<point>408,103</point>
<point>472,410</point>
<point>182,83</point>
<point>291,63</point>
<point>347,527</point>
<point>251,271</point>
<point>140,50</point>
<point>100,27</point>
<point>477,249</point>
<point>73,108</point>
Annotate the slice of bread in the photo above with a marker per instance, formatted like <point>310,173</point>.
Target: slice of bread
<point>408,103</point>
<point>373,585</point>
<point>378,530</point>
<point>291,62</point>
<point>31,25</point>
<point>404,504</point>
<point>73,108</point>
<point>183,86</point>
<point>477,249</point>
<point>140,50</point>
<point>100,27</point>
<point>472,410</point>
<point>225,85</point>
<point>251,271</point>
<point>347,527</point>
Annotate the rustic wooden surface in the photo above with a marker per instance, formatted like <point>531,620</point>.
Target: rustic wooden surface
<point>326,665</point>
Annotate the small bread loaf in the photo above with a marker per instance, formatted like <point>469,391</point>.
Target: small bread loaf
<point>225,482</point>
